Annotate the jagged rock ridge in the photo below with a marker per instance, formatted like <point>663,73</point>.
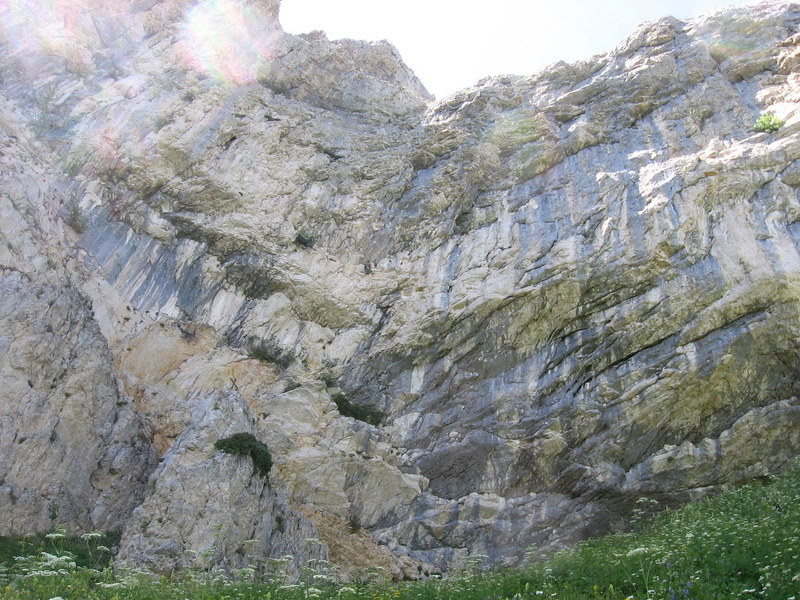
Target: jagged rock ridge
<point>565,291</point>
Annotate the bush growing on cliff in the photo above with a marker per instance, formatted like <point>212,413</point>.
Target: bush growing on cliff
<point>328,379</point>
<point>768,123</point>
<point>271,355</point>
<point>245,444</point>
<point>304,240</point>
<point>360,413</point>
<point>75,217</point>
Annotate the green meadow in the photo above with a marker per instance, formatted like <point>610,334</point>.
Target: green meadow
<point>744,543</point>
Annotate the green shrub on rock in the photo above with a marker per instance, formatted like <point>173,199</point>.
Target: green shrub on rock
<point>245,444</point>
<point>273,355</point>
<point>360,413</point>
<point>75,217</point>
<point>768,123</point>
<point>304,240</point>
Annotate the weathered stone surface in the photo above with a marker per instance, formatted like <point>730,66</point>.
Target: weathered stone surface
<point>566,291</point>
<point>64,416</point>
<point>72,448</point>
<point>206,508</point>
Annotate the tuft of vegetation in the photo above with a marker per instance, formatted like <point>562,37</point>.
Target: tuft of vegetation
<point>271,355</point>
<point>744,544</point>
<point>75,217</point>
<point>768,123</point>
<point>304,241</point>
<point>328,379</point>
<point>90,550</point>
<point>280,523</point>
<point>292,384</point>
<point>245,444</point>
<point>360,413</point>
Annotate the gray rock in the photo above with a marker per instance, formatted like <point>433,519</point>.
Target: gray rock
<point>566,291</point>
<point>206,508</point>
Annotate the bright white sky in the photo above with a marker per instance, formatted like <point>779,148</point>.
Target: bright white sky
<point>451,44</point>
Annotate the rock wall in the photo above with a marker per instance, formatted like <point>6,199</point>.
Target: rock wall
<point>564,291</point>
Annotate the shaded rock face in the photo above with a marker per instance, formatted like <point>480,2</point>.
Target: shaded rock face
<point>565,291</point>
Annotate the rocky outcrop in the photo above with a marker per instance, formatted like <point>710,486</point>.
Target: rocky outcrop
<point>72,448</point>
<point>565,291</point>
<point>205,508</point>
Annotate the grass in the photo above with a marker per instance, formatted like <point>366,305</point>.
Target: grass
<point>90,550</point>
<point>743,544</point>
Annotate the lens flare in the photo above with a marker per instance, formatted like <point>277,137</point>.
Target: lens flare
<point>54,27</point>
<point>229,40</point>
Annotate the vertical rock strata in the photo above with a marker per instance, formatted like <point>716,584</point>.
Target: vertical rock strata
<point>72,447</point>
<point>564,291</point>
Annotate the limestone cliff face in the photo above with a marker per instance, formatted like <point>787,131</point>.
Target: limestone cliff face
<point>565,291</point>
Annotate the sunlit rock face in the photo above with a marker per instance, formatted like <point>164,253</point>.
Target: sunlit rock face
<point>565,291</point>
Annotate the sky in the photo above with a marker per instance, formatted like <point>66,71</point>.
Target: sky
<point>451,44</point>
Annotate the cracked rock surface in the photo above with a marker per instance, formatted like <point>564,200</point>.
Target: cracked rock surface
<point>564,291</point>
